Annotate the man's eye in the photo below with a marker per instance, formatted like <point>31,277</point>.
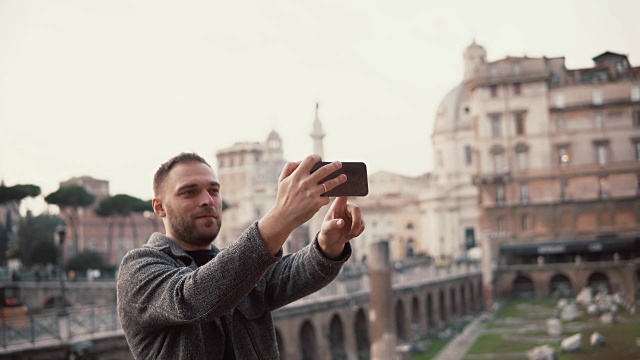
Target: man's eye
<point>214,191</point>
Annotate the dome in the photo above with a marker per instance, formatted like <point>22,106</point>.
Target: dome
<point>274,136</point>
<point>449,115</point>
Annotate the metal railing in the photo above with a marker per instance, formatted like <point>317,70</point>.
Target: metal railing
<point>50,328</point>
<point>78,324</point>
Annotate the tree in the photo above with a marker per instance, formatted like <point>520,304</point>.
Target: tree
<point>36,240</point>
<point>70,199</point>
<point>17,193</point>
<point>11,196</point>
<point>105,210</point>
<point>86,260</point>
<point>121,206</point>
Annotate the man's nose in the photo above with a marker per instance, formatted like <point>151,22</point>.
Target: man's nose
<point>206,199</point>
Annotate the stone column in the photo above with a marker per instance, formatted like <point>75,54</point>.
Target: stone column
<point>383,337</point>
<point>487,272</point>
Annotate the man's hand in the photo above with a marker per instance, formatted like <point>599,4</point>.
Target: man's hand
<point>299,198</point>
<point>342,223</point>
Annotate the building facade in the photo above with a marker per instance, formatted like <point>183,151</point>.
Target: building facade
<point>557,162</point>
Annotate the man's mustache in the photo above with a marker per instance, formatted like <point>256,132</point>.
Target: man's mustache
<point>208,212</point>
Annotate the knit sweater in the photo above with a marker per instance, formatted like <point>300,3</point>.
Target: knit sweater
<point>171,309</point>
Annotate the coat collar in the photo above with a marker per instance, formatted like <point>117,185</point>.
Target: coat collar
<point>164,243</point>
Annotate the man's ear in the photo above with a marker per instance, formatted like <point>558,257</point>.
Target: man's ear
<point>158,207</point>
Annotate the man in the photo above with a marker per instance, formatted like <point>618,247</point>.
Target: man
<point>180,297</point>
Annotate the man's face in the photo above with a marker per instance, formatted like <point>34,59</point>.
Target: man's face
<point>190,205</point>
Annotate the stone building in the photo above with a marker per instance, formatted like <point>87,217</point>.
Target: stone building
<point>249,172</point>
<point>392,213</point>
<point>551,158</point>
<point>113,236</point>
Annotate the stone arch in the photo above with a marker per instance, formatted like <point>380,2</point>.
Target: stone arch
<point>453,300</point>
<point>336,339</point>
<point>442,307</point>
<point>281,345</point>
<point>599,282</point>
<point>560,286</point>
<point>472,297</point>
<point>416,318</point>
<point>523,287</point>
<point>308,344</point>
<point>401,325</point>
<point>431,324</point>
<point>463,299</point>
<point>362,335</point>
<point>480,300</point>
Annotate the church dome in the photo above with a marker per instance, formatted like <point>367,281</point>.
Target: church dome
<point>450,114</point>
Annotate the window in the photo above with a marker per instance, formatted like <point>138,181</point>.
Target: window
<point>519,119</point>
<point>603,187</point>
<point>469,238</point>
<point>635,93</point>
<point>564,190</point>
<point>524,193</point>
<point>500,195</point>
<point>493,71</point>
<point>524,222</point>
<point>500,224</point>
<point>515,66</point>
<point>559,100</point>
<point>498,163</point>
<point>493,90</point>
<point>517,88</point>
<point>596,97</point>
<point>523,160</point>
<point>601,152</point>
<point>636,147</point>
<point>563,155</point>
<point>496,129</point>
<point>598,120</point>
<point>561,125</point>
<point>635,118</point>
<point>468,155</point>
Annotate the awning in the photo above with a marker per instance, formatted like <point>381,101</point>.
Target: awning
<point>572,247</point>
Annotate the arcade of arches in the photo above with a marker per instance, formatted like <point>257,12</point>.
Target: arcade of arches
<point>338,329</point>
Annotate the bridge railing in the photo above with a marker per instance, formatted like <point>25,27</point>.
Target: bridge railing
<point>53,328</point>
<point>83,323</point>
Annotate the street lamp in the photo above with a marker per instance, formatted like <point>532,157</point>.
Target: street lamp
<point>61,230</point>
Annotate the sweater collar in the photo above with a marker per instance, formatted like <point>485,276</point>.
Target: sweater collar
<point>164,243</point>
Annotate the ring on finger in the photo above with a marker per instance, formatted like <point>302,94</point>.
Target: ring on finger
<point>324,187</point>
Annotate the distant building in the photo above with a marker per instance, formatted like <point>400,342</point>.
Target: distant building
<point>392,213</point>
<point>113,236</point>
<point>554,157</point>
<point>249,172</point>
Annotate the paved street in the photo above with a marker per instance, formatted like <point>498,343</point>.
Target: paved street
<point>458,347</point>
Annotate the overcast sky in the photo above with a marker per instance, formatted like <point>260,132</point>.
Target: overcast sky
<point>113,88</point>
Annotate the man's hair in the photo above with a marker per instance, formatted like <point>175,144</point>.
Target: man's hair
<point>165,168</point>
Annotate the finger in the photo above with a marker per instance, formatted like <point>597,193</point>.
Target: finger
<point>339,202</point>
<point>324,171</point>
<point>357,221</point>
<point>335,182</point>
<point>288,169</point>
<point>307,163</point>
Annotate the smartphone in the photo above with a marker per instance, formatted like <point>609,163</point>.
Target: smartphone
<point>357,183</point>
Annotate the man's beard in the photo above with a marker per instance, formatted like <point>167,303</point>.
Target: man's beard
<point>185,229</point>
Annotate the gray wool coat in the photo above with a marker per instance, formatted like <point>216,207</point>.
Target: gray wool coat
<point>171,309</point>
